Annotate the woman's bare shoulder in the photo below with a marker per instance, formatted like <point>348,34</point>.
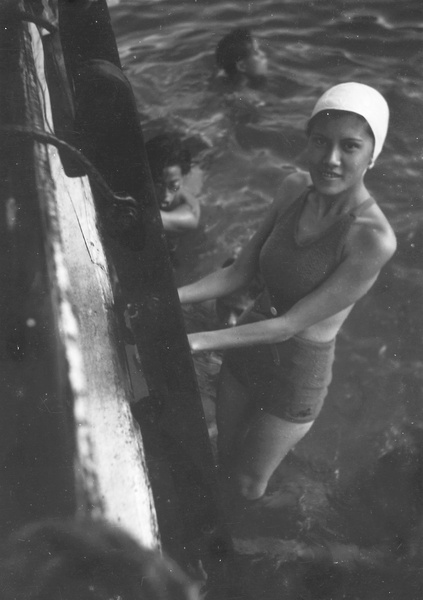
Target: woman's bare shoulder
<point>373,236</point>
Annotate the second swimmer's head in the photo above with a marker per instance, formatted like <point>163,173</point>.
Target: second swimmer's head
<point>169,161</point>
<point>239,53</point>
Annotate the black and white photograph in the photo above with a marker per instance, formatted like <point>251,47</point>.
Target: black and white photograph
<point>211,266</point>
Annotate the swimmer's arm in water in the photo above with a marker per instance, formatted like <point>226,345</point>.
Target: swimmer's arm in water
<point>242,271</point>
<point>368,252</point>
<point>185,217</point>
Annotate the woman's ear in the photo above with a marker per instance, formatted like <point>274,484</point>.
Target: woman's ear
<point>241,66</point>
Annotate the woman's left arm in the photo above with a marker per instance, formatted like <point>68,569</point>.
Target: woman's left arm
<point>185,217</point>
<point>368,250</point>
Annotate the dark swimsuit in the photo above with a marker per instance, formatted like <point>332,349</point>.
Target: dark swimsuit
<point>290,379</point>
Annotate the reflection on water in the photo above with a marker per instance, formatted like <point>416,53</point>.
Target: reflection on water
<point>246,141</point>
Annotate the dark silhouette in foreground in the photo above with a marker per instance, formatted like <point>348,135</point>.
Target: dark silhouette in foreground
<point>86,560</point>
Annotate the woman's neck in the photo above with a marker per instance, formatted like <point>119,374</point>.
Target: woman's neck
<point>338,204</point>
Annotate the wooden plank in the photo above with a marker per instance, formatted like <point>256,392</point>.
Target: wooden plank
<point>112,469</point>
<point>36,438</point>
<point>97,444</point>
<point>174,410</point>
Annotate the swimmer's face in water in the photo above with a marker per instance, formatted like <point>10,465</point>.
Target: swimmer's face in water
<point>340,149</point>
<point>256,64</point>
<point>169,186</point>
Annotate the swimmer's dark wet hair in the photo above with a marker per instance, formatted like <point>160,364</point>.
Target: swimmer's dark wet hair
<point>336,114</point>
<point>167,150</point>
<point>86,560</point>
<point>233,47</point>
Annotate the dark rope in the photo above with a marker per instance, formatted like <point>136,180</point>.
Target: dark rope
<point>117,200</point>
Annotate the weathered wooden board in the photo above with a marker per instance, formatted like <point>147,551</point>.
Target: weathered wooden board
<point>70,442</point>
<point>172,416</point>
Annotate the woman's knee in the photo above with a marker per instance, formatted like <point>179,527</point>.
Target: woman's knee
<point>249,487</point>
<point>263,449</point>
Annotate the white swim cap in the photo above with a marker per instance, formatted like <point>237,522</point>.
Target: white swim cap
<point>362,100</point>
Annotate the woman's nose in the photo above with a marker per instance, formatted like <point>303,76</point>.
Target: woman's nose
<point>333,156</point>
<point>169,194</point>
<point>263,56</point>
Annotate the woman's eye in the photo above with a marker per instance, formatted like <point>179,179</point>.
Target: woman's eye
<point>317,141</point>
<point>350,146</point>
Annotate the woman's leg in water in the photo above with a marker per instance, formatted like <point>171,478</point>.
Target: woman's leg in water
<point>266,444</point>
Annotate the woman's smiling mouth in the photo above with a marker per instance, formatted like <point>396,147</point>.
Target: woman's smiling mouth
<point>329,175</point>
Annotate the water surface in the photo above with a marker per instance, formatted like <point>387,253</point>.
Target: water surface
<point>246,141</point>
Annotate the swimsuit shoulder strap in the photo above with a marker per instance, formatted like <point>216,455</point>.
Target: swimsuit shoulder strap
<point>296,206</point>
<point>301,199</point>
<point>356,212</point>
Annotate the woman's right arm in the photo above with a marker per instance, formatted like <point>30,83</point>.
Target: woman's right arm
<point>239,274</point>
<point>229,279</point>
<point>217,284</point>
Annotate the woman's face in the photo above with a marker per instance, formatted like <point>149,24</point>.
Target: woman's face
<point>340,150</point>
<point>256,64</point>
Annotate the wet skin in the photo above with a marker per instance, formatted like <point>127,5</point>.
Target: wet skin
<point>180,210</point>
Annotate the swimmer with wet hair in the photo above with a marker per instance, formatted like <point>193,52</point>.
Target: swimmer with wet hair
<point>319,249</point>
<point>85,559</point>
<point>239,54</point>
<point>169,163</point>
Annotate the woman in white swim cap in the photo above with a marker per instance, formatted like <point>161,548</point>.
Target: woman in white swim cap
<point>362,100</point>
<point>319,249</point>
